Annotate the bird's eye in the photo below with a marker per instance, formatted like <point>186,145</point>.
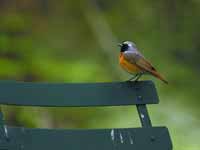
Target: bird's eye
<point>124,47</point>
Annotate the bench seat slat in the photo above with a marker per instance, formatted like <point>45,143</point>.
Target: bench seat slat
<point>93,139</point>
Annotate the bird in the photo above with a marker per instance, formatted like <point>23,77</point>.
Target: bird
<point>132,61</point>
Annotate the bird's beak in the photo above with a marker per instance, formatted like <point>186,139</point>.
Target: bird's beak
<point>119,44</point>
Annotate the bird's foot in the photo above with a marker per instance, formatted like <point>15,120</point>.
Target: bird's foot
<point>132,78</point>
<point>135,78</point>
<point>138,77</point>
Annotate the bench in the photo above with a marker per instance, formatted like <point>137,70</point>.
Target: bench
<point>139,93</point>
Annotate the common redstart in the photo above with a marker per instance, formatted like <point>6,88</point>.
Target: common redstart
<point>134,62</point>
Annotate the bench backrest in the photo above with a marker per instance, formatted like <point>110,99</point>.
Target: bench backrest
<point>91,94</point>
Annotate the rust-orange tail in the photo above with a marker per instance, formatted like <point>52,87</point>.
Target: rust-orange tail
<point>156,74</point>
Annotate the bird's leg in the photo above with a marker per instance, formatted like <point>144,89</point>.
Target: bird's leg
<point>139,76</point>
<point>135,76</point>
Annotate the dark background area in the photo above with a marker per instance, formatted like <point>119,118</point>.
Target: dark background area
<point>76,41</point>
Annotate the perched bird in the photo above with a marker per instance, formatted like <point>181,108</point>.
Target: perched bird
<point>134,62</point>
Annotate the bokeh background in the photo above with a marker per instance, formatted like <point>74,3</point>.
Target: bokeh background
<point>76,41</point>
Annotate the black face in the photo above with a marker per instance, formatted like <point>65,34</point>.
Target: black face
<point>124,47</point>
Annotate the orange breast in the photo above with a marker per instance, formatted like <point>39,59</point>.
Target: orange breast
<point>131,68</point>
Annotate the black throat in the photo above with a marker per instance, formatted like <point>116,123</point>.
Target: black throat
<point>124,48</point>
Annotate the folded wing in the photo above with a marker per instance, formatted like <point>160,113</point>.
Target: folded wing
<point>137,59</point>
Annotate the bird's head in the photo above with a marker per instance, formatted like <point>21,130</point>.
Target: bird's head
<point>127,46</point>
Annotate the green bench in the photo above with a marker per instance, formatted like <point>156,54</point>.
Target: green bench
<point>82,95</point>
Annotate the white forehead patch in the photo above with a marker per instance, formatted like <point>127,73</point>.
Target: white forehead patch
<point>126,42</point>
<point>130,43</point>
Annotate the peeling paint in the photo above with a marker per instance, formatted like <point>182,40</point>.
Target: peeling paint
<point>6,131</point>
<point>131,140</point>
<point>112,134</point>
<point>121,137</point>
<point>142,116</point>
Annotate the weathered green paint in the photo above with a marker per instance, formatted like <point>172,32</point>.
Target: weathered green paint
<point>156,138</point>
<point>91,94</point>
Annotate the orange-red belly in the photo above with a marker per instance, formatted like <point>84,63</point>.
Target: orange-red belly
<point>131,68</point>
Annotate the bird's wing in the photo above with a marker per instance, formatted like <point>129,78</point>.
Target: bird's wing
<point>137,59</point>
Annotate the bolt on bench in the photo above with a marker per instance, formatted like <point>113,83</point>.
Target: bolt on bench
<point>82,95</point>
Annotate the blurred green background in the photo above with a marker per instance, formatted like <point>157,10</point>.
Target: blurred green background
<point>76,41</point>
